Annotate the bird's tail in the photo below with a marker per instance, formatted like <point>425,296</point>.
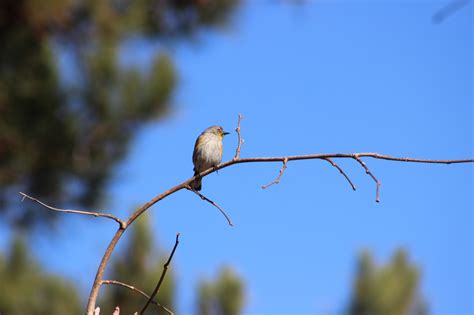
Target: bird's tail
<point>196,184</point>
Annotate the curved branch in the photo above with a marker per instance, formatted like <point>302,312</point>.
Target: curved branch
<point>277,180</point>
<point>212,203</point>
<point>341,171</point>
<point>134,289</point>
<point>110,248</point>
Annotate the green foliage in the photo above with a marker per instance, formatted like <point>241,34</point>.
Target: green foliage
<point>27,289</point>
<point>223,296</point>
<point>386,290</point>
<point>139,265</point>
<point>61,138</point>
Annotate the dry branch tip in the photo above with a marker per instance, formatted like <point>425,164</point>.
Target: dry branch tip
<point>341,171</point>
<point>277,180</point>
<point>240,140</point>
<point>368,172</point>
<point>212,203</point>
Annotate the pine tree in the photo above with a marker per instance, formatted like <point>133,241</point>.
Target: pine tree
<point>27,289</point>
<point>223,296</point>
<point>64,126</point>
<point>387,290</point>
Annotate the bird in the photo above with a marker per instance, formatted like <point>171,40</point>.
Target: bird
<point>207,152</point>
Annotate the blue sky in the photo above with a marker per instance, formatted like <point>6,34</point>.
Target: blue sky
<point>325,77</point>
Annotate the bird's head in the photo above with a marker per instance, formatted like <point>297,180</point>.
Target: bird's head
<point>217,130</point>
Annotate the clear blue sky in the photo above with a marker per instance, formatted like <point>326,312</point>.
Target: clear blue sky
<point>318,78</point>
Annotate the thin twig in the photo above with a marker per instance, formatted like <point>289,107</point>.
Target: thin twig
<point>341,171</point>
<point>162,277</point>
<point>240,141</point>
<point>212,203</point>
<point>132,288</point>
<point>95,214</point>
<point>277,180</point>
<point>368,172</point>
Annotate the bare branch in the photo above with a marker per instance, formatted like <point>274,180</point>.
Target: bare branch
<point>277,180</point>
<point>341,171</point>
<point>240,141</point>
<point>368,172</point>
<point>132,288</point>
<point>95,214</point>
<point>162,277</point>
<point>212,203</point>
<point>330,155</point>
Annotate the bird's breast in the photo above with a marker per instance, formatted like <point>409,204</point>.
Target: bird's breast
<point>209,153</point>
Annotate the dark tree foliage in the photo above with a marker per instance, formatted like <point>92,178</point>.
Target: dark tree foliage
<point>26,289</point>
<point>63,128</point>
<point>223,296</point>
<point>389,290</point>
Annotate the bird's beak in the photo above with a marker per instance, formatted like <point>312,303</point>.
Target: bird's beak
<point>225,133</point>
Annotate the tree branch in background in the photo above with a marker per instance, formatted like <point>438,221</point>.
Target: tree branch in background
<point>162,277</point>
<point>212,203</point>
<point>95,214</point>
<point>134,289</point>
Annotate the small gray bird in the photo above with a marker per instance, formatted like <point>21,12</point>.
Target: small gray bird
<point>207,152</point>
